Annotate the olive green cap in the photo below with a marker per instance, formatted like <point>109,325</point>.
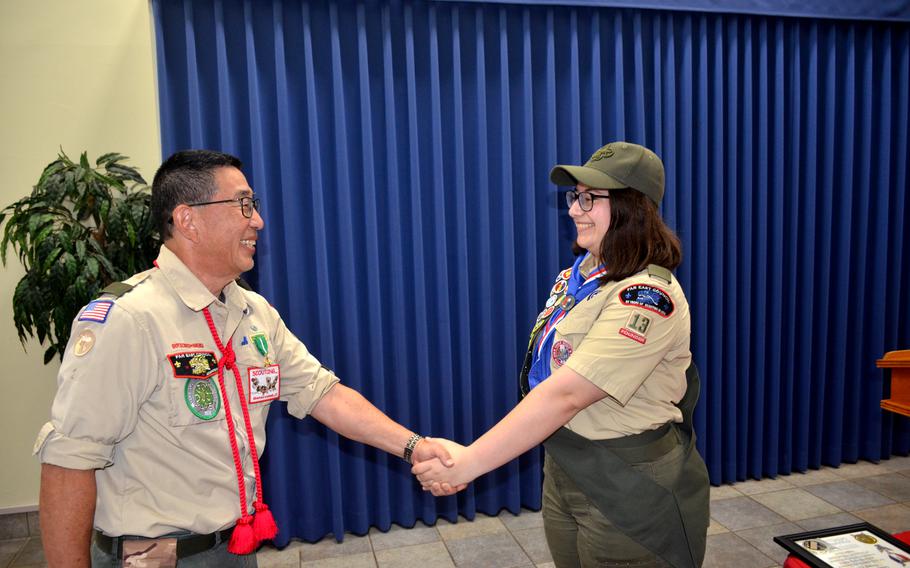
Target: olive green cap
<point>614,166</point>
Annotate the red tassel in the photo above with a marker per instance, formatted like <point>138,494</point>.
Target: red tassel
<point>243,541</point>
<point>264,526</point>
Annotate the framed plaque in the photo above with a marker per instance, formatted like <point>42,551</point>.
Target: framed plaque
<point>851,546</point>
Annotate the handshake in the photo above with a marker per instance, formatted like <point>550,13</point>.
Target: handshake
<point>441,476</point>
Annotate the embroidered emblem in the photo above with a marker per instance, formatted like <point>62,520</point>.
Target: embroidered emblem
<point>562,350</point>
<point>202,398</point>
<point>551,301</point>
<point>546,313</point>
<point>565,274</point>
<point>193,364</point>
<point>567,303</point>
<point>187,345</point>
<point>637,327</point>
<point>244,341</point>
<point>647,297</point>
<point>559,287</point>
<point>605,152</point>
<point>265,383</point>
<point>96,311</point>
<point>84,343</point>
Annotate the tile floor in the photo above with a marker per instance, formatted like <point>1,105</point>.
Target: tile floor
<point>744,518</point>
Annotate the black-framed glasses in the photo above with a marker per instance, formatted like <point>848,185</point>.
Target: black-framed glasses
<point>247,204</point>
<point>585,200</point>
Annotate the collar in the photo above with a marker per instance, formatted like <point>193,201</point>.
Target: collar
<point>190,289</point>
<point>588,265</point>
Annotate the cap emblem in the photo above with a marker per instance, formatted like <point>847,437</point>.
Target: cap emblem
<point>605,152</point>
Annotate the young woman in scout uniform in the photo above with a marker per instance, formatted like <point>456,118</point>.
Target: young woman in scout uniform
<point>609,384</point>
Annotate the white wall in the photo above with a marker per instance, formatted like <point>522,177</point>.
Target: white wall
<point>78,75</point>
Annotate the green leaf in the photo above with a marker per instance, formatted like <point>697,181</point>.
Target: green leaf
<point>49,354</point>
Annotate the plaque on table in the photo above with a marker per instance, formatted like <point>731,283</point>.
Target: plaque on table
<point>861,545</point>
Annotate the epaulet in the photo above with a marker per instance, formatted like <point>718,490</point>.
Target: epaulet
<point>117,289</point>
<point>660,272</point>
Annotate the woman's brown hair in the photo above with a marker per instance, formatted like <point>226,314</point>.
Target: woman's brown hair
<point>636,238</point>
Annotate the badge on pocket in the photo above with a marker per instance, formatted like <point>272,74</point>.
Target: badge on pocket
<point>265,383</point>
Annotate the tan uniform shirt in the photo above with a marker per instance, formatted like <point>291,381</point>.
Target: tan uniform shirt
<point>618,339</point>
<point>158,439</point>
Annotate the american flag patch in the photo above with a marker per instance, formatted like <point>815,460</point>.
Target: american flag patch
<point>97,311</point>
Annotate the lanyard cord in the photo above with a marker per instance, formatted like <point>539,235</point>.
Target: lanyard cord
<point>250,530</point>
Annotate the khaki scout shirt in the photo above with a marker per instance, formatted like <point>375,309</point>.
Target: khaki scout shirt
<point>120,409</point>
<point>630,350</point>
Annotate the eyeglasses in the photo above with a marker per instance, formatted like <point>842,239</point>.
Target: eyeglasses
<point>247,204</point>
<point>585,200</point>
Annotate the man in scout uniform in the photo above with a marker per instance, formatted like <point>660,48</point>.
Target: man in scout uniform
<point>151,453</point>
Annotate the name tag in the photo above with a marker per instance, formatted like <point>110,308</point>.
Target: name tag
<point>265,383</point>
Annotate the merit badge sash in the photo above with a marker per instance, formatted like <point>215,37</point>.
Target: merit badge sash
<point>265,383</point>
<point>570,289</point>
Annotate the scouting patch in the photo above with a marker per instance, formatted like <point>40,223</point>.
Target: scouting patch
<point>202,398</point>
<point>84,343</point>
<point>546,313</point>
<point>637,327</point>
<point>187,345</point>
<point>647,297</point>
<point>565,274</point>
<point>96,311</point>
<point>559,287</point>
<point>193,364</point>
<point>562,350</point>
<point>265,383</point>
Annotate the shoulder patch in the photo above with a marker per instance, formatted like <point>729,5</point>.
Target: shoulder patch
<point>660,272</point>
<point>96,311</point>
<point>117,289</point>
<point>193,364</point>
<point>648,297</point>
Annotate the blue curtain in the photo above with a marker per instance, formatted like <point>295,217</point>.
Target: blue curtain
<point>402,149</point>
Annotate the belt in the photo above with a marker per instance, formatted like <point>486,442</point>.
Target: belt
<point>187,545</point>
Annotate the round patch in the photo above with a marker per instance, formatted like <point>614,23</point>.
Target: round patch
<point>202,398</point>
<point>551,301</point>
<point>546,313</point>
<point>865,538</point>
<point>559,287</point>
<point>84,343</point>
<point>565,274</point>
<point>561,352</point>
<point>567,303</point>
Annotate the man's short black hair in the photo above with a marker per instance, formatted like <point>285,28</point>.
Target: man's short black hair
<point>185,177</point>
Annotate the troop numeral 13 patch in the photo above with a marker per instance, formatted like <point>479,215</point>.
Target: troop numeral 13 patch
<point>636,327</point>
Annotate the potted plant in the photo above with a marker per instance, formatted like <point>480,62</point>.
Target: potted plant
<point>81,228</point>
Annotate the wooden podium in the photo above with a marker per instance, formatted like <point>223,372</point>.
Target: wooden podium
<point>899,363</point>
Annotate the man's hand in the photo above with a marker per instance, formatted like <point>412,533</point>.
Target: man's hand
<point>436,448</point>
<point>425,464</point>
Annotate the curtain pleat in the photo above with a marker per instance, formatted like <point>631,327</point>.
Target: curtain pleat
<point>402,152</point>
